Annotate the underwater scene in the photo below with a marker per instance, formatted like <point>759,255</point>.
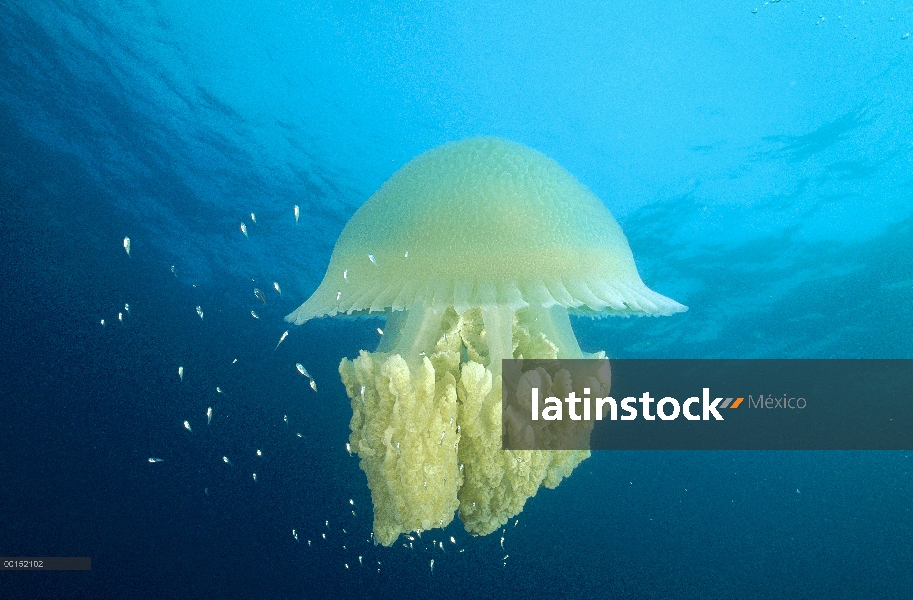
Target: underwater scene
<point>262,261</point>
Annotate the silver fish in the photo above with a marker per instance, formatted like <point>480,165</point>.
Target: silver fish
<point>282,339</point>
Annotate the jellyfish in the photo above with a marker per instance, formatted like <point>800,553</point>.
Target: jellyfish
<point>475,251</point>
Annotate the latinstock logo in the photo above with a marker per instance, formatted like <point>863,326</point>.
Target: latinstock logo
<point>630,404</point>
<point>667,408</point>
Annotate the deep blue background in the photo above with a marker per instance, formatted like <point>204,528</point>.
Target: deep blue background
<point>761,164</point>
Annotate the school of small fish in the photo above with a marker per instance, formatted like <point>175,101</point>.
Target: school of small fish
<point>337,535</point>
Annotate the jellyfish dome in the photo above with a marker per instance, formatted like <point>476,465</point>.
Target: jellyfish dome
<point>475,251</point>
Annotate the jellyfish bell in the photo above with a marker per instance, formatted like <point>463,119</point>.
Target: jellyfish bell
<point>475,251</point>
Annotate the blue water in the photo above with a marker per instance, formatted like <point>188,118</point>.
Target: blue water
<point>760,163</point>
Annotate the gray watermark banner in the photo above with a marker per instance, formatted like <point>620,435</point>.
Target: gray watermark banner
<point>731,404</point>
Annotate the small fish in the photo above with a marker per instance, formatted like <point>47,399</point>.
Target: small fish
<point>181,373</point>
<point>372,259</point>
<point>172,271</point>
<point>313,385</point>
<point>254,315</point>
<point>155,460</point>
<point>282,339</point>
<point>127,245</point>
<point>127,308</point>
<point>226,461</point>
<point>187,426</point>
<point>302,370</point>
<point>259,295</point>
<point>209,415</point>
<point>200,312</point>
<point>277,288</point>
<point>102,322</point>
<point>297,214</point>
<point>244,230</point>
<point>255,477</point>
<point>253,218</point>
